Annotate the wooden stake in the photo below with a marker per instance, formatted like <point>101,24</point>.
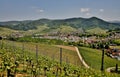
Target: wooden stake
<point>60,56</point>
<point>102,63</point>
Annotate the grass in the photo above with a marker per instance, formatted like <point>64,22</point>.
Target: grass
<point>93,58</point>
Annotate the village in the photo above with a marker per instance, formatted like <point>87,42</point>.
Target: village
<point>92,41</point>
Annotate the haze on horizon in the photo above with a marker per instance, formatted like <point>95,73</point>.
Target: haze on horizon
<point>108,10</point>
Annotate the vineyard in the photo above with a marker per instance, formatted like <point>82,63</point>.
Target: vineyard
<point>38,60</point>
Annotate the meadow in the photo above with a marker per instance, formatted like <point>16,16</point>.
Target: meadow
<point>93,58</point>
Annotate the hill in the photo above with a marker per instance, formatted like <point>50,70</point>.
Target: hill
<point>5,31</point>
<point>96,30</point>
<point>84,23</point>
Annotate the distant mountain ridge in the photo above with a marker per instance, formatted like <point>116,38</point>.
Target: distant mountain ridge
<point>118,22</point>
<point>84,23</point>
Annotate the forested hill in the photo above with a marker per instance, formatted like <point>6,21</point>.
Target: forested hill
<point>84,23</point>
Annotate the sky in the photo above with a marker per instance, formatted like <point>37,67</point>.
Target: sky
<point>11,10</point>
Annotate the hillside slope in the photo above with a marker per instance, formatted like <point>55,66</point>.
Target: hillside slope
<point>84,23</point>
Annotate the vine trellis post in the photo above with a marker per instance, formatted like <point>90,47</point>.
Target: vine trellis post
<point>102,63</point>
<point>61,56</point>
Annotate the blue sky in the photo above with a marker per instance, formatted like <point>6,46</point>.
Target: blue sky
<point>108,10</point>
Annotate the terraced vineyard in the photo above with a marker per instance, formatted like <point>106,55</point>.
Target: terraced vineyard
<point>6,31</point>
<point>51,51</point>
<point>37,60</point>
<point>96,30</point>
<point>23,52</point>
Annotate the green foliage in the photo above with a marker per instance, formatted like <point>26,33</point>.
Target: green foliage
<point>41,40</point>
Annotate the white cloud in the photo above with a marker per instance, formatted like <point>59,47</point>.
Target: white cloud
<point>84,10</point>
<point>101,10</point>
<point>39,10</point>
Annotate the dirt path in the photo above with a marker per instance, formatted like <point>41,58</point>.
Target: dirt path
<point>73,48</point>
<point>67,47</point>
<point>21,75</point>
<point>81,59</point>
<point>108,69</point>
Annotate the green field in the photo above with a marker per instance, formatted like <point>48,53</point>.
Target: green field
<point>93,58</point>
